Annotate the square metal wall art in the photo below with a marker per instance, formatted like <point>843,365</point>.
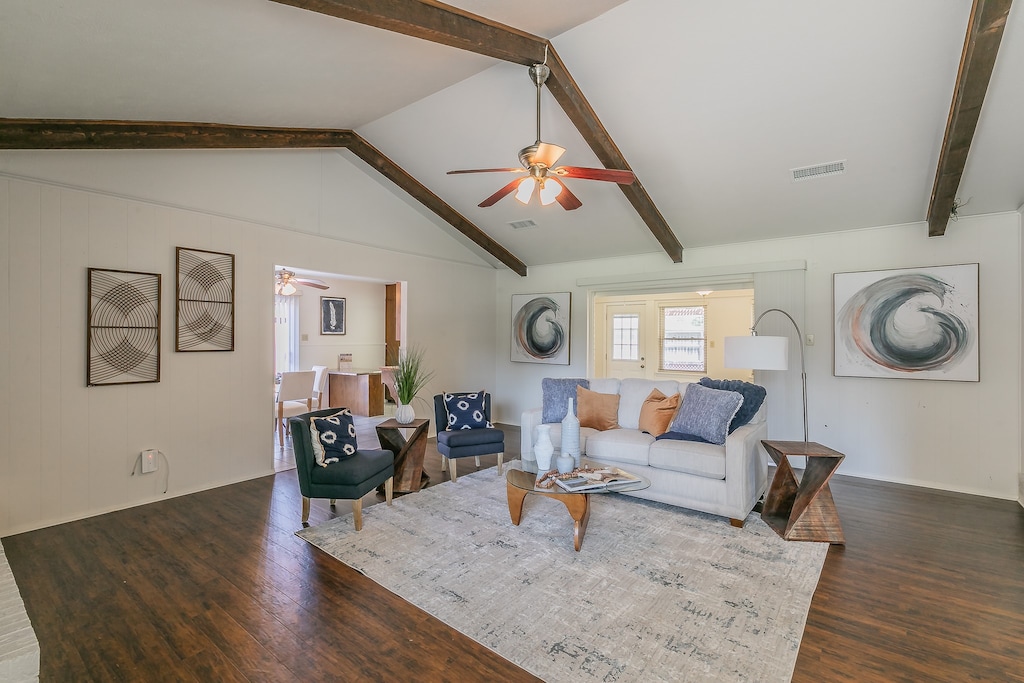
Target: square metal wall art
<point>205,300</point>
<point>911,323</point>
<point>123,336</point>
<point>540,328</point>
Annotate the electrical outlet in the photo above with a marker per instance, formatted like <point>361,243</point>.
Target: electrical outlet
<point>149,463</point>
<point>810,340</point>
<point>305,337</point>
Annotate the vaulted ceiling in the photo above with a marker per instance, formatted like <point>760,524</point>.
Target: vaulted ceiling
<point>710,104</point>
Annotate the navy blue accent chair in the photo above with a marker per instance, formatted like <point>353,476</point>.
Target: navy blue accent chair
<point>464,443</point>
<point>349,479</point>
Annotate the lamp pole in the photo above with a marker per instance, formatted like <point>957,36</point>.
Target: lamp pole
<point>803,367</point>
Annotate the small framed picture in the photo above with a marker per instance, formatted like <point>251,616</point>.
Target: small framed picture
<point>332,315</point>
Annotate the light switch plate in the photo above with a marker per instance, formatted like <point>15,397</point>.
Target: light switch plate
<point>149,463</point>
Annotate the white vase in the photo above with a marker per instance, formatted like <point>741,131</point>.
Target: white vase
<point>404,413</point>
<point>543,449</point>
<point>571,434</point>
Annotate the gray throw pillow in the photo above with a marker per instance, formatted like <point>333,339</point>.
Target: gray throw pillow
<point>557,392</point>
<point>706,413</point>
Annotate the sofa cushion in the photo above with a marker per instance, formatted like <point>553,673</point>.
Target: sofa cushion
<point>598,411</point>
<point>466,410</point>
<point>753,396</point>
<point>620,445</point>
<point>706,413</point>
<point>632,394</point>
<point>557,391</point>
<point>605,385</point>
<point>657,412</point>
<point>690,457</point>
<point>333,437</point>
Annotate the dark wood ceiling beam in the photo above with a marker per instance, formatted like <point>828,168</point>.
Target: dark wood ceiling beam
<point>71,134</point>
<point>456,28</point>
<point>565,91</point>
<point>437,23</point>
<point>396,174</point>
<point>981,45</point>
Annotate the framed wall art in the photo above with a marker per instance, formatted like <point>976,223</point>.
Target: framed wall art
<point>540,328</point>
<point>123,336</point>
<point>911,323</point>
<point>204,317</point>
<point>332,315</point>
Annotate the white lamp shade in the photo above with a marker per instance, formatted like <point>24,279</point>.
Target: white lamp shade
<point>757,353</point>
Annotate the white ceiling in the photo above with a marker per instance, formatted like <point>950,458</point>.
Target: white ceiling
<point>712,104</point>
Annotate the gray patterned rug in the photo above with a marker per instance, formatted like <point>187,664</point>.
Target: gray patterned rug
<point>657,593</point>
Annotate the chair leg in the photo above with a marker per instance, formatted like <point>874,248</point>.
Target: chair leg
<point>444,463</point>
<point>477,458</point>
<point>451,469</point>
<point>280,432</point>
<point>305,509</point>
<point>333,501</point>
<point>389,490</point>
<point>357,513</point>
<point>501,456</point>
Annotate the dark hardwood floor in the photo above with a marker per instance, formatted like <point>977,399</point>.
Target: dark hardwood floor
<point>215,586</point>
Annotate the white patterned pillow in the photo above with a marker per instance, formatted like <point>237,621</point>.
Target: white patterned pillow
<point>333,437</point>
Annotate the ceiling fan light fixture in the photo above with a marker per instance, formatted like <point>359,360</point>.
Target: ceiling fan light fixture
<point>549,191</point>
<point>525,191</point>
<point>288,289</point>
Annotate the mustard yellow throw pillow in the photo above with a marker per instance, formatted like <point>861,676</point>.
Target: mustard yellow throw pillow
<point>597,411</point>
<point>657,412</point>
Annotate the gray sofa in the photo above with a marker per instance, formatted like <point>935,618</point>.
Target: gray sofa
<point>723,480</point>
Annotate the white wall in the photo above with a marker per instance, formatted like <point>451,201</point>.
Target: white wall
<point>364,325</point>
<point>950,435</point>
<point>66,451</point>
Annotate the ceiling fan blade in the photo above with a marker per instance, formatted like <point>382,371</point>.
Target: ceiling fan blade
<point>503,192</point>
<point>566,198</point>
<point>319,284</point>
<point>547,154</point>
<point>488,170</point>
<point>606,174</point>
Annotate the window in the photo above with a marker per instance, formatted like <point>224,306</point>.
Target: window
<point>625,336</point>
<point>286,334</point>
<point>682,340</point>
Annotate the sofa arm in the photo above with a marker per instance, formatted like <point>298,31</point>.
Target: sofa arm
<point>746,469</point>
<point>528,424</point>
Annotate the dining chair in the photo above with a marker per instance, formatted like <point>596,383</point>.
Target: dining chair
<point>294,397</point>
<point>320,386</point>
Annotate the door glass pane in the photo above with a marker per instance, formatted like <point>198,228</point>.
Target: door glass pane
<point>683,345</point>
<point>625,336</point>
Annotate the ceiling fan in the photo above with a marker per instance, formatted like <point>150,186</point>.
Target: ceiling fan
<point>539,160</point>
<point>285,281</point>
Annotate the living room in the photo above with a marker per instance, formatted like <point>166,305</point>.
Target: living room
<point>64,211</point>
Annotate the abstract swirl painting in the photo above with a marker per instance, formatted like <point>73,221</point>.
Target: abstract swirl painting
<point>540,328</point>
<point>914,323</point>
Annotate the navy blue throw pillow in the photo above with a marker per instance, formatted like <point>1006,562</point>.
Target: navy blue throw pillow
<point>679,436</point>
<point>753,396</point>
<point>557,391</point>
<point>333,437</point>
<point>466,410</point>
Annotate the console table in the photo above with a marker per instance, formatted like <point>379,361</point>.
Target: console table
<point>803,510</point>
<point>409,451</point>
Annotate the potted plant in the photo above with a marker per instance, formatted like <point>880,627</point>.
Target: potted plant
<point>410,376</point>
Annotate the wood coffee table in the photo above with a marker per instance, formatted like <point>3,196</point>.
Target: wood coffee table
<point>518,484</point>
<point>804,510</point>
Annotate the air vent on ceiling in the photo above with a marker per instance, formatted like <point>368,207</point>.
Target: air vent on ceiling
<point>819,171</point>
<point>519,225</point>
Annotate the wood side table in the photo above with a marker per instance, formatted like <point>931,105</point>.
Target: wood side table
<point>409,474</point>
<point>804,510</point>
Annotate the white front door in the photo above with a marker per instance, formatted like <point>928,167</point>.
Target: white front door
<point>624,330</point>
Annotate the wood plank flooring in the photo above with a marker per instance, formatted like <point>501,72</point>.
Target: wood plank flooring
<point>216,586</point>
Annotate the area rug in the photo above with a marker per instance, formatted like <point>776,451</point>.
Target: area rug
<point>657,593</point>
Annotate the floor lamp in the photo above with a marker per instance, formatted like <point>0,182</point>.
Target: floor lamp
<point>766,353</point>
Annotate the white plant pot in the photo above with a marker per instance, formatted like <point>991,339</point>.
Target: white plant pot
<point>404,414</point>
